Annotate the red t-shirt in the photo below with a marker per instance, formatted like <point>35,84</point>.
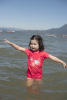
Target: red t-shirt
<point>35,62</point>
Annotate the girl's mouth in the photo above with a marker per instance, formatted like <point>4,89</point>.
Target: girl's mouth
<point>32,48</point>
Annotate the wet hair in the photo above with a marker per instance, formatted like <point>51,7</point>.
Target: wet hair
<point>40,41</point>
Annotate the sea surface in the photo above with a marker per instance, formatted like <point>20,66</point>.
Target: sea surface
<point>13,67</point>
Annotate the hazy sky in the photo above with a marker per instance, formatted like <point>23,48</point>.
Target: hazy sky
<point>33,14</point>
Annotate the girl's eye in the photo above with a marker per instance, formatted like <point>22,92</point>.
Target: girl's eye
<point>33,44</point>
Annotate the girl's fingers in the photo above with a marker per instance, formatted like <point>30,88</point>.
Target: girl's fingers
<point>6,40</point>
<point>65,65</point>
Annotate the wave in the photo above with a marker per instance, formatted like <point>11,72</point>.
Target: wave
<point>55,91</point>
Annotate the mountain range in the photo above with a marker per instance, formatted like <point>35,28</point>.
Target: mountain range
<point>61,30</point>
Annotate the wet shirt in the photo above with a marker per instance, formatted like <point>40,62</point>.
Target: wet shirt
<point>35,62</point>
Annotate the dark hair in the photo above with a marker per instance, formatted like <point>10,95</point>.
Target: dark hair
<point>40,41</point>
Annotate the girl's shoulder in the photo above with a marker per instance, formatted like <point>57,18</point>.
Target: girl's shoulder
<point>28,51</point>
<point>44,54</point>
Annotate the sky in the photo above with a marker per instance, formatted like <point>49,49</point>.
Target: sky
<point>33,14</point>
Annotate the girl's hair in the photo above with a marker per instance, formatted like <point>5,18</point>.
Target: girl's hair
<point>40,41</point>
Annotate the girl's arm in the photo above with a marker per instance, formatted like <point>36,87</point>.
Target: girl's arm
<point>58,60</point>
<point>15,46</point>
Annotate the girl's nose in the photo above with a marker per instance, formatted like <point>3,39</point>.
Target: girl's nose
<point>32,46</point>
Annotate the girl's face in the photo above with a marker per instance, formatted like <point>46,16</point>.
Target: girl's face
<point>34,45</point>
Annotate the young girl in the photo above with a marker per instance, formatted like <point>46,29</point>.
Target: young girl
<point>36,56</point>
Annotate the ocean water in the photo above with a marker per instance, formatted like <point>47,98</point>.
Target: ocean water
<point>13,66</point>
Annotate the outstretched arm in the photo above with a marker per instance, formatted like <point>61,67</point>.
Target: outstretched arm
<point>58,60</point>
<point>15,46</point>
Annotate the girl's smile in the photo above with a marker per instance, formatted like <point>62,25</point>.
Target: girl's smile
<point>34,45</point>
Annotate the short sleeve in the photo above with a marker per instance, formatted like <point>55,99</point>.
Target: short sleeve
<point>27,51</point>
<point>46,54</point>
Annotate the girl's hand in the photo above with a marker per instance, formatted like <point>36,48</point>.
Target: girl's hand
<point>64,65</point>
<point>7,41</point>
